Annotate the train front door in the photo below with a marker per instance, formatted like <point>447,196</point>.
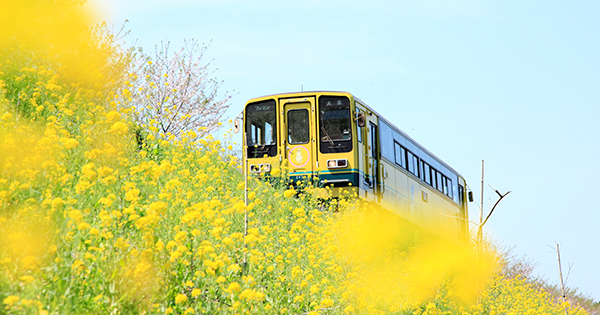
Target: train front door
<point>299,134</point>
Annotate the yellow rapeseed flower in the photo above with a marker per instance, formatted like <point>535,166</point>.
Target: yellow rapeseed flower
<point>27,279</point>
<point>289,193</point>
<point>70,143</point>
<point>119,128</point>
<point>326,303</point>
<point>233,287</point>
<point>11,300</point>
<point>83,226</point>
<point>6,116</point>
<point>180,298</point>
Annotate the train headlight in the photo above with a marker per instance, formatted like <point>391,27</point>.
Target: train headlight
<point>337,163</point>
<point>260,168</point>
<point>265,167</point>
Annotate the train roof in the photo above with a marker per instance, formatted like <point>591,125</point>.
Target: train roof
<point>299,94</point>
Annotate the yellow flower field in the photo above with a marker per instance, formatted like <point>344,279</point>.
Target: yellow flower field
<point>96,219</point>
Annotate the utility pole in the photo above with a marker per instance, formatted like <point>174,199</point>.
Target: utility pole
<point>562,284</point>
<point>479,236</point>
<point>245,160</point>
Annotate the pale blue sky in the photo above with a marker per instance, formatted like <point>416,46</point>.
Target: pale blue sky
<point>512,82</point>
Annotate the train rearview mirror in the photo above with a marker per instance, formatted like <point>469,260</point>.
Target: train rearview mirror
<point>470,196</point>
<point>361,120</point>
<point>236,125</point>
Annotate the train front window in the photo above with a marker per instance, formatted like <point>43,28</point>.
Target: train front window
<point>261,135</point>
<point>335,124</point>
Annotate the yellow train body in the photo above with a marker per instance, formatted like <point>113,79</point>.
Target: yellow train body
<point>334,139</point>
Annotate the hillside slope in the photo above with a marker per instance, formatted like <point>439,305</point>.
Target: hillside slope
<point>98,216</point>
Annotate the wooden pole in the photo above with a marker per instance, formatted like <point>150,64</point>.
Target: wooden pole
<point>480,230</point>
<point>480,235</point>
<point>245,262</point>
<point>562,284</point>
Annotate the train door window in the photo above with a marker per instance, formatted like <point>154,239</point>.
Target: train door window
<point>373,140</point>
<point>358,129</point>
<point>400,155</point>
<point>374,156</point>
<point>298,125</point>
<point>461,194</point>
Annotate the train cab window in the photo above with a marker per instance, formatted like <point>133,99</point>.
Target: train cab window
<point>261,135</point>
<point>297,121</point>
<point>335,124</point>
<point>399,154</point>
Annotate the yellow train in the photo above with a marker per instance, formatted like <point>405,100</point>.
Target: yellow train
<point>337,140</point>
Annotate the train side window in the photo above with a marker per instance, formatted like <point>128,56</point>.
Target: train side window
<point>409,162</point>
<point>449,189</point>
<point>433,178</point>
<point>399,154</point>
<point>426,173</point>
<point>403,154</point>
<point>412,162</point>
<point>416,165</point>
<point>444,185</point>
<point>440,183</point>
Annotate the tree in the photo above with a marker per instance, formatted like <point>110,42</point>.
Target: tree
<point>176,93</point>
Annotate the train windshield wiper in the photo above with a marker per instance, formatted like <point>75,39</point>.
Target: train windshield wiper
<point>327,137</point>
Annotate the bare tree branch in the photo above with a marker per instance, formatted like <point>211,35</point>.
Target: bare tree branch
<point>176,93</point>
